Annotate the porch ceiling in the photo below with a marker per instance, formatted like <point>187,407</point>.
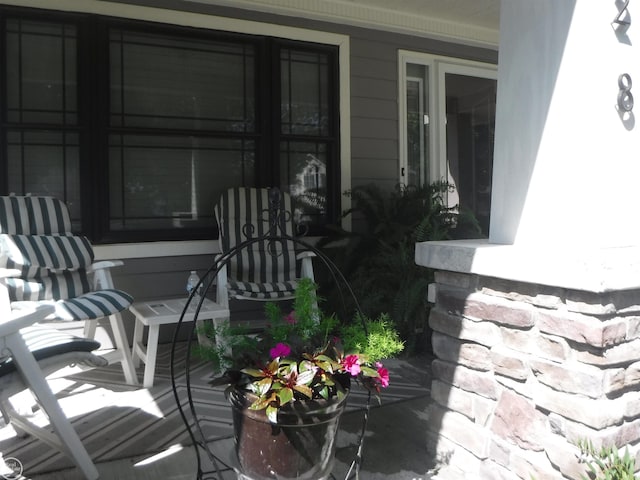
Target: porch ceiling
<point>474,22</point>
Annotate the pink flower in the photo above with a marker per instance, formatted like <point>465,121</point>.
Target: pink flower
<point>280,350</point>
<point>291,318</point>
<point>351,364</point>
<point>384,376</point>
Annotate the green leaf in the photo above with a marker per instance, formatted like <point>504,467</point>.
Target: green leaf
<point>328,381</point>
<point>323,358</point>
<point>253,372</point>
<point>262,387</point>
<point>274,365</point>
<point>325,363</point>
<point>303,389</point>
<point>368,371</point>
<point>324,393</point>
<point>262,403</point>
<point>272,414</point>
<point>306,377</point>
<point>285,395</point>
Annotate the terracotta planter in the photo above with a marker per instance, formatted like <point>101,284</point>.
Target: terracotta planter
<point>301,446</point>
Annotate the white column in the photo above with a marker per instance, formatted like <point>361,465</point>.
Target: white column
<point>566,179</point>
<point>567,161</point>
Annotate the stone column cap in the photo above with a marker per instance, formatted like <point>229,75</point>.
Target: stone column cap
<point>590,269</point>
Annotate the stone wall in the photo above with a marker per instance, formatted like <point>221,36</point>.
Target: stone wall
<point>523,371</point>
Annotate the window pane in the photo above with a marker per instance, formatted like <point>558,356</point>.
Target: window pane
<point>303,167</point>
<point>172,82</point>
<point>41,72</point>
<point>417,128</point>
<point>305,80</point>
<point>45,163</point>
<point>159,182</point>
<point>471,105</point>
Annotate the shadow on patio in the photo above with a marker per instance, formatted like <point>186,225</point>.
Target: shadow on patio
<point>137,433</point>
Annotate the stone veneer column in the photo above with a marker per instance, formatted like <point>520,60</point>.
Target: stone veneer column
<point>537,330</point>
<point>524,371</point>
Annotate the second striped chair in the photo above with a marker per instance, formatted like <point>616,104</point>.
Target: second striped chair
<point>264,270</point>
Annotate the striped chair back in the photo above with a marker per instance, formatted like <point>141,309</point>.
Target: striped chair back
<point>243,213</point>
<point>34,216</point>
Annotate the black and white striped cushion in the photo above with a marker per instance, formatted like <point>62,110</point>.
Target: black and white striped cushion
<point>53,252</point>
<point>33,216</point>
<point>242,214</point>
<point>46,342</point>
<point>91,305</point>
<point>97,304</point>
<point>262,291</point>
<point>47,285</point>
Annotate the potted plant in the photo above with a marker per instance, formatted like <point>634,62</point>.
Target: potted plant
<point>288,384</point>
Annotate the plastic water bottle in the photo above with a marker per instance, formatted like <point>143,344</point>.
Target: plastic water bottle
<point>192,282</point>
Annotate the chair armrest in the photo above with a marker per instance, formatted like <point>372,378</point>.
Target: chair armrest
<point>25,318</point>
<point>9,273</point>
<point>306,267</point>
<point>5,301</point>
<point>305,254</point>
<point>102,273</point>
<point>222,296</point>
<point>104,264</point>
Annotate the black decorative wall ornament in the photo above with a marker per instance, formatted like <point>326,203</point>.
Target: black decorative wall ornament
<point>625,97</point>
<point>621,22</point>
<point>623,17</point>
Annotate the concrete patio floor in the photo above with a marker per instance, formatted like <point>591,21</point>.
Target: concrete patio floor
<point>395,448</point>
<point>395,445</point>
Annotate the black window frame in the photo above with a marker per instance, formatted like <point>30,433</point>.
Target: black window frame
<point>93,116</point>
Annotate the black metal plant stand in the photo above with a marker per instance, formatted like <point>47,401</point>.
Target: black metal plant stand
<point>277,218</point>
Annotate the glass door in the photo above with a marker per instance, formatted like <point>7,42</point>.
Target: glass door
<point>470,107</point>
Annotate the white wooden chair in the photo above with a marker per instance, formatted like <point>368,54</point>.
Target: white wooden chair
<point>27,355</point>
<point>56,268</point>
<point>264,270</point>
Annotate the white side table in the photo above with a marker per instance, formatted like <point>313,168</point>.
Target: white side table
<point>154,313</point>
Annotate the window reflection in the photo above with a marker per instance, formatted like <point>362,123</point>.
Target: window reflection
<point>305,177</point>
<point>173,182</point>
<point>306,131</point>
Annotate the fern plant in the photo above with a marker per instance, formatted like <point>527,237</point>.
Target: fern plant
<point>378,256</point>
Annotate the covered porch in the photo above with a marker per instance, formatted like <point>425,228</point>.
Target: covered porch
<point>561,247</point>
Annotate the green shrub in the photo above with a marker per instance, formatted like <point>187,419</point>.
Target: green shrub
<point>378,340</point>
<point>378,256</point>
<point>606,463</point>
